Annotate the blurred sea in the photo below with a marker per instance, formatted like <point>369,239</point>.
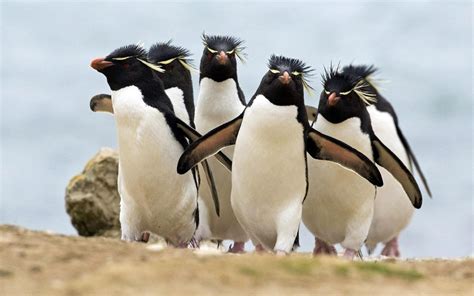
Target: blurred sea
<point>423,49</point>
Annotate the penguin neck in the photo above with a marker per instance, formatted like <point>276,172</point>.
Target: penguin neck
<point>218,102</point>
<point>340,114</point>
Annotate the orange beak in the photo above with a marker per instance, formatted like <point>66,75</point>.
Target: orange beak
<point>333,99</point>
<point>285,78</point>
<point>99,64</point>
<point>222,58</point>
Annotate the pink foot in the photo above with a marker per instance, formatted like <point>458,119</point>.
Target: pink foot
<point>237,247</point>
<point>349,254</point>
<point>391,248</point>
<point>259,248</point>
<point>193,243</point>
<point>145,237</point>
<point>321,247</point>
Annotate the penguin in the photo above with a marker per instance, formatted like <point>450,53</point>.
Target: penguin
<point>387,223</point>
<point>269,169</point>
<point>176,77</point>
<point>220,99</point>
<point>340,205</point>
<point>150,139</point>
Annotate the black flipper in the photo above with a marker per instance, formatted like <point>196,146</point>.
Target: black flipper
<point>212,185</point>
<point>193,135</point>
<point>413,160</point>
<point>209,144</point>
<point>312,113</point>
<point>386,158</point>
<point>323,147</point>
<point>101,103</point>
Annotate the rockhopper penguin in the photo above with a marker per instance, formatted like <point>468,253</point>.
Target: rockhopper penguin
<point>393,211</point>
<point>269,170</point>
<point>150,138</point>
<point>340,204</point>
<point>220,100</point>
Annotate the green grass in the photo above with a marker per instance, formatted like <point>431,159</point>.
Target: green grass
<point>298,266</point>
<point>249,271</point>
<point>389,271</point>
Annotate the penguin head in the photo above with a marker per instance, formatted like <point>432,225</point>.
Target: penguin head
<point>218,60</point>
<point>344,94</point>
<point>285,81</point>
<point>174,60</point>
<point>125,66</point>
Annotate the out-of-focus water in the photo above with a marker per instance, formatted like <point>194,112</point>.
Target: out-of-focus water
<point>424,50</point>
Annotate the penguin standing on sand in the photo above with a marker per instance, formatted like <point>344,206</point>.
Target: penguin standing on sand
<point>340,205</point>
<point>177,81</point>
<point>150,138</point>
<point>393,211</point>
<point>220,100</point>
<point>269,170</point>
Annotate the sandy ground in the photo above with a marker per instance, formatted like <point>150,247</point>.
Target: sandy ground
<point>38,263</point>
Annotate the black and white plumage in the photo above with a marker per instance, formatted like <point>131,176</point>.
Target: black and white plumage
<point>387,222</point>
<point>269,171</point>
<point>150,138</point>
<point>220,99</point>
<point>335,191</point>
<point>176,63</point>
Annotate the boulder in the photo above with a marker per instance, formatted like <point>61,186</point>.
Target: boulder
<point>92,199</point>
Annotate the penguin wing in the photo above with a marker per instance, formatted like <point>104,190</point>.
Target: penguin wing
<point>101,103</point>
<point>193,136</point>
<point>386,158</point>
<point>209,144</point>
<point>312,113</point>
<point>323,147</point>
<point>212,185</point>
<point>413,160</point>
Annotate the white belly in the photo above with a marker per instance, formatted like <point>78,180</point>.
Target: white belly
<point>177,99</point>
<point>393,209</point>
<point>153,196</point>
<point>218,102</point>
<point>269,172</point>
<point>339,205</point>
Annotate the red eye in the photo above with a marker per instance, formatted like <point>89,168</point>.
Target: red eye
<point>126,65</point>
<point>209,55</point>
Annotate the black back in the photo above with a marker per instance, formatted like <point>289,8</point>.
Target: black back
<point>209,66</point>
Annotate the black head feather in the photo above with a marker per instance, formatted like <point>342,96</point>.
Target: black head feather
<point>362,71</point>
<point>164,51</point>
<point>289,64</point>
<point>132,50</point>
<point>226,43</point>
<point>294,67</point>
<point>348,80</point>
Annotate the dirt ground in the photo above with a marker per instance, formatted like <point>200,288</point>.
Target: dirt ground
<point>38,263</point>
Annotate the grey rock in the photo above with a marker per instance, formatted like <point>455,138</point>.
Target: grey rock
<point>92,199</point>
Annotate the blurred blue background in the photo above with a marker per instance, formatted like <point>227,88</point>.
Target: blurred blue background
<point>424,49</point>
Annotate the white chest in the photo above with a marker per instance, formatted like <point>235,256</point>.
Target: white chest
<point>348,132</point>
<point>218,102</point>
<point>269,154</point>
<point>144,138</point>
